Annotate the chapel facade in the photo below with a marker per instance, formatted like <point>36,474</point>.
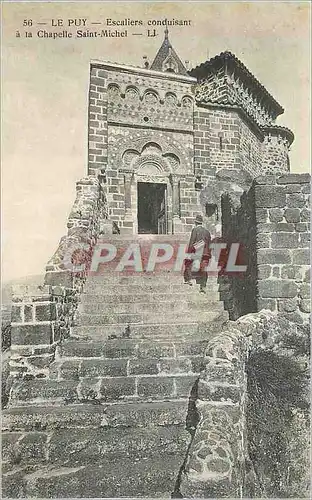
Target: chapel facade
<point>167,142</point>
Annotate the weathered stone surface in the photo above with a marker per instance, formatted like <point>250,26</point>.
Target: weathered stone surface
<point>272,256</point>
<point>285,240</point>
<point>113,389</point>
<point>277,288</point>
<point>296,200</point>
<point>291,272</point>
<point>294,179</point>
<point>292,214</point>
<point>305,305</point>
<point>264,271</point>
<point>43,389</point>
<point>288,305</point>
<point>301,256</point>
<point>270,196</point>
<point>266,304</point>
<point>277,215</point>
<point>32,334</point>
<point>155,387</point>
<point>103,368</point>
<point>305,290</point>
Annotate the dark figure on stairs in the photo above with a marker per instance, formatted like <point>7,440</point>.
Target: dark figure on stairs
<point>199,242</point>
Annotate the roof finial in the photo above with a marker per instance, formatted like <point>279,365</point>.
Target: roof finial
<point>166,33</point>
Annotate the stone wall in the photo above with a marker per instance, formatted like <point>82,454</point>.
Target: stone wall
<point>41,318</point>
<point>97,121</point>
<point>86,221</point>
<point>283,240</point>
<point>220,462</point>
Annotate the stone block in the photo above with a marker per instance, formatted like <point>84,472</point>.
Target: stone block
<point>262,215</point>
<point>220,393</point>
<point>264,271</point>
<point>288,305</point>
<point>274,256</point>
<point>266,304</point>
<point>263,240</point>
<point>113,389</point>
<point>265,180</point>
<point>277,288</point>
<point>43,389</point>
<point>270,196</point>
<point>304,240</point>
<point>305,215</point>
<point>292,214</point>
<point>28,313</point>
<point>143,367</point>
<point>276,214</point>
<point>16,314</point>
<point>301,256</point>
<point>296,200</point>
<point>285,240</point>
<point>45,312</point>
<point>275,227</point>
<point>276,272</point>
<point>302,227</point>
<point>172,366</point>
<point>294,179</point>
<point>155,387</point>
<point>184,385</point>
<point>155,349</point>
<point>291,272</point>
<point>103,368</point>
<point>305,291</point>
<point>305,305</point>
<point>31,334</point>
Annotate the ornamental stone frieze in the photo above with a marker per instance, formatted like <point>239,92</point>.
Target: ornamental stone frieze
<point>148,107</point>
<point>124,151</point>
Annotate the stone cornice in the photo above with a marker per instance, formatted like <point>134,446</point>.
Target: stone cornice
<point>110,66</point>
<point>277,130</point>
<point>235,69</point>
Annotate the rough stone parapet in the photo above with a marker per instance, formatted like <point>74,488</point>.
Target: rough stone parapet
<point>218,462</point>
<point>86,221</point>
<point>41,318</point>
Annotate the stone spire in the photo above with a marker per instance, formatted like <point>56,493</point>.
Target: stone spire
<point>167,60</point>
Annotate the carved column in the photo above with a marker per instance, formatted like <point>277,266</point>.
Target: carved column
<point>127,223</point>
<point>175,196</point>
<point>128,204</point>
<point>176,221</point>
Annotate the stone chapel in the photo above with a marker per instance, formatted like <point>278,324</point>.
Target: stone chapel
<point>168,140</point>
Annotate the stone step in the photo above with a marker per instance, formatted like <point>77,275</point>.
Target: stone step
<point>101,390</point>
<point>131,348</point>
<point>166,331</point>
<point>145,318</point>
<point>153,298</point>
<point>35,418</point>
<point>164,307</point>
<point>74,369</point>
<point>122,477</point>
<point>165,288</point>
<point>84,446</point>
<point>133,278</point>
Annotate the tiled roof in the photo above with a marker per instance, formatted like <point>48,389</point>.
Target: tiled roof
<point>165,50</point>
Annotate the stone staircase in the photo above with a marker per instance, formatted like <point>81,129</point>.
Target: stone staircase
<point>115,415</point>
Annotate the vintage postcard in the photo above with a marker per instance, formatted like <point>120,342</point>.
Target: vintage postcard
<point>155,257</point>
